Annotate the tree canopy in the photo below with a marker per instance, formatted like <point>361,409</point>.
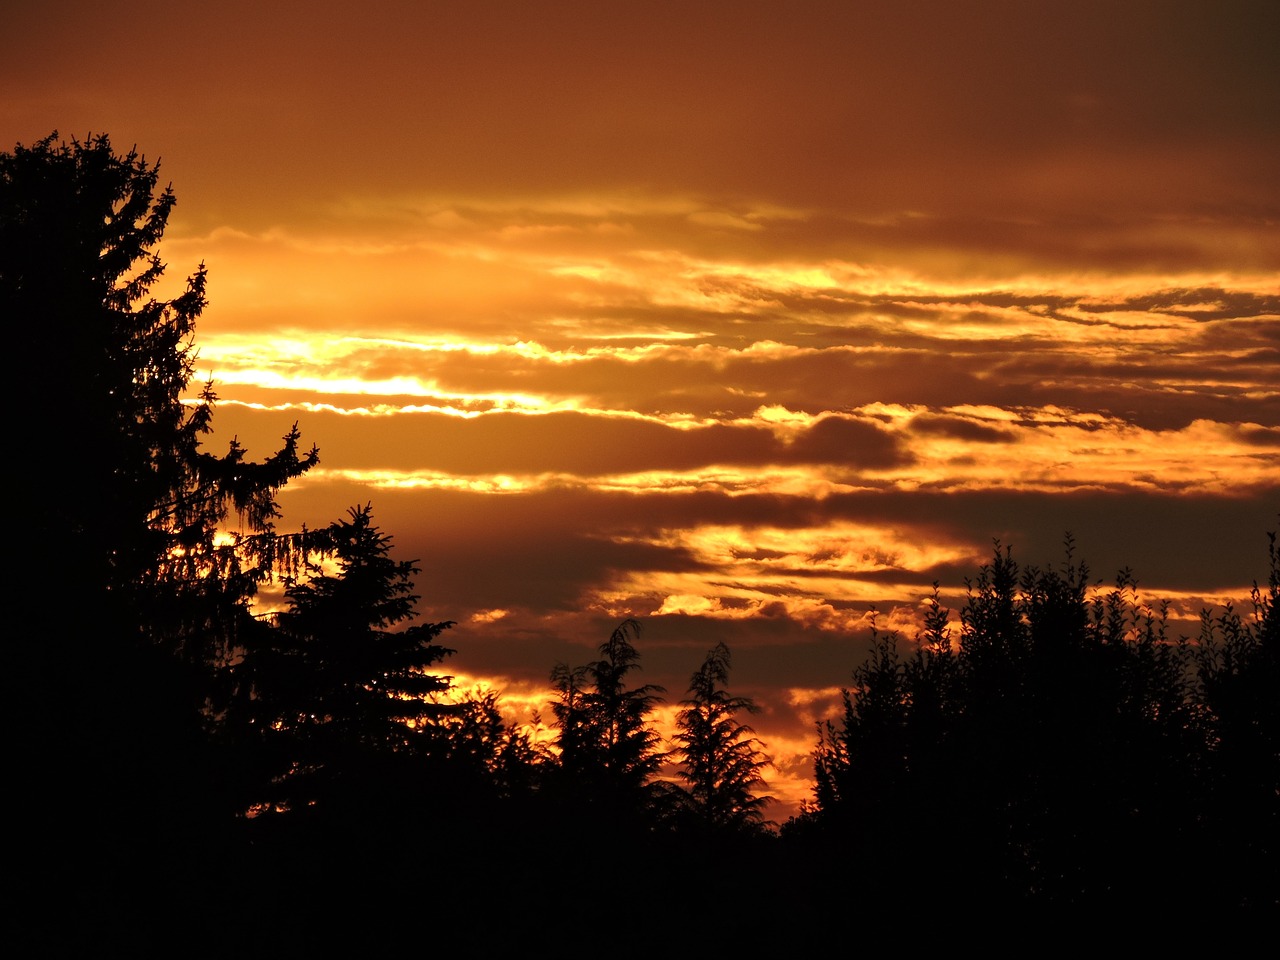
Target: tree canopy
<point>121,503</point>
<point>606,740</point>
<point>345,680</point>
<point>721,760</point>
<point>1062,748</point>
<point>80,225</point>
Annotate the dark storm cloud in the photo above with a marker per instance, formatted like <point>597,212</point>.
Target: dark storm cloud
<point>841,441</point>
<point>1169,540</point>
<point>1260,436</point>
<point>573,443</point>
<point>959,428</point>
<point>547,550</point>
<point>541,557</point>
<point>979,242</point>
<point>540,551</point>
<point>1131,393</point>
<point>1204,304</point>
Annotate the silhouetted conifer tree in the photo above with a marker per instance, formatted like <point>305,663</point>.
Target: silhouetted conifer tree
<point>348,689</point>
<point>573,740</point>
<point>609,752</point>
<point>1060,752</point>
<point>1238,684</point>
<point>477,737</point>
<point>720,759</point>
<point>618,714</point>
<point>126,486</point>
<point>119,503</point>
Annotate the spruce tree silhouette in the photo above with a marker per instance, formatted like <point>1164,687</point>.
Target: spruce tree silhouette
<point>348,690</point>
<point>135,498</point>
<point>618,715</point>
<point>142,609</point>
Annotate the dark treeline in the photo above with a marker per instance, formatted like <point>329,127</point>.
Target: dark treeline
<point>266,782</point>
<point>1066,751</point>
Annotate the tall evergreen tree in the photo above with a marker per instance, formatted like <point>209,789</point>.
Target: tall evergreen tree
<point>143,607</point>
<point>347,689</point>
<point>609,750</point>
<point>571,714</point>
<point>126,486</point>
<point>721,760</point>
<point>618,715</point>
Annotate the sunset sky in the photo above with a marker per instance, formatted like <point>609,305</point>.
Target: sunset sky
<point>738,318</point>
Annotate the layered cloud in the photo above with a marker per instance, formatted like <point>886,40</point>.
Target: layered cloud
<point>766,452</point>
<point>744,319</point>
<point>695,415</point>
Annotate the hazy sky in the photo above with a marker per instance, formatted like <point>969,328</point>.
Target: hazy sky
<point>739,318</point>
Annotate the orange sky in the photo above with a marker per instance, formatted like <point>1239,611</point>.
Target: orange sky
<point>740,318</point>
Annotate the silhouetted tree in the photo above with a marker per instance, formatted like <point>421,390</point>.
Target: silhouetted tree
<point>618,715</point>
<point>347,688</point>
<point>119,504</point>
<point>1055,753</point>
<point>572,720</point>
<point>721,761</point>
<point>126,487</point>
<point>609,750</point>
<point>476,736</point>
<point>1238,683</point>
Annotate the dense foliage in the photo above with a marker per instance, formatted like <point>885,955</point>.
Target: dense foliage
<point>144,605</point>
<point>721,762</point>
<point>1063,748</point>
<point>339,694</point>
